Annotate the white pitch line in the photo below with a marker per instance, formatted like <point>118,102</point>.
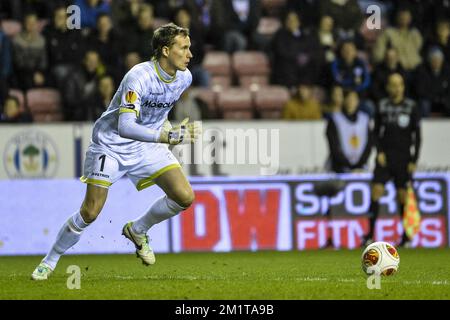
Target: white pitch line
<point>306,279</point>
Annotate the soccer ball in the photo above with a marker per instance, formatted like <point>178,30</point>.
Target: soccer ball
<point>380,258</point>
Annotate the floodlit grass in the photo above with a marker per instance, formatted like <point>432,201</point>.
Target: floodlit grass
<point>327,274</point>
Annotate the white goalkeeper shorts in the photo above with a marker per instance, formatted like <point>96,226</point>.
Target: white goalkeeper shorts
<point>102,168</point>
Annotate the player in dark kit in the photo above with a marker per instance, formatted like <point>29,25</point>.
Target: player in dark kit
<point>397,139</point>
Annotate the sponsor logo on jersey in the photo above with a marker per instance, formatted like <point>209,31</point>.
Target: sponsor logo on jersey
<point>30,154</point>
<point>131,97</point>
<point>151,104</point>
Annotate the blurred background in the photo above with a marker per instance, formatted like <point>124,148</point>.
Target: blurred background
<point>279,66</point>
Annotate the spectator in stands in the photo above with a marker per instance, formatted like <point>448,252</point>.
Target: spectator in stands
<point>404,38</point>
<point>296,54</point>
<point>64,47</point>
<point>207,16</point>
<point>201,15</point>
<point>390,65</point>
<point>125,13</point>
<point>432,84</point>
<point>11,9</point>
<point>349,136</point>
<point>348,70</point>
<point>12,113</point>
<point>335,101</point>
<point>42,8</point>
<point>5,64</point>
<point>440,38</point>
<point>107,43</point>
<point>200,77</point>
<point>327,37</point>
<point>166,8</point>
<point>131,59</point>
<point>90,10</point>
<point>303,106</point>
<point>347,16</point>
<point>139,39</point>
<point>238,24</point>
<point>440,10</point>
<point>308,11</point>
<point>421,10</point>
<point>15,9</point>
<point>102,97</point>
<point>81,86</point>
<point>29,55</point>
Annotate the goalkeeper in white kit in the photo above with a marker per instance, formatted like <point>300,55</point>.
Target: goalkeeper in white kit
<point>132,138</point>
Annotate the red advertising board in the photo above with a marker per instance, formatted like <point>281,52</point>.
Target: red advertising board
<point>232,216</point>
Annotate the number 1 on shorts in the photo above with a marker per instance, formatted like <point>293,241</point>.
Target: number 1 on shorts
<point>102,157</point>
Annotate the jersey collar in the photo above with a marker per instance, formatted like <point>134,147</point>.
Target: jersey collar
<point>162,75</point>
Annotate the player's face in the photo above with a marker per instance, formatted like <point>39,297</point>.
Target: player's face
<point>351,102</point>
<point>395,87</point>
<point>179,53</point>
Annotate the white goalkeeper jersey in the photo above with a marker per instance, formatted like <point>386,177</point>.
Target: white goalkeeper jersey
<point>150,93</point>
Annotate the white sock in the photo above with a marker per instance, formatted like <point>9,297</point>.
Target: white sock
<point>67,237</point>
<point>162,209</point>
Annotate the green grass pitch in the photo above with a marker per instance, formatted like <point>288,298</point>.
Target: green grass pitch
<point>327,274</point>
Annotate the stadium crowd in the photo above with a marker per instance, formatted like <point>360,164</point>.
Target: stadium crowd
<point>316,51</point>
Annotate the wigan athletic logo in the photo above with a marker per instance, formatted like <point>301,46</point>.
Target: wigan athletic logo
<point>30,154</point>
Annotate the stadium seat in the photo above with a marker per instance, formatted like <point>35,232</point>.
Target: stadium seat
<point>269,102</point>
<point>44,104</point>
<point>11,27</point>
<point>220,82</point>
<point>20,96</point>
<point>209,97</point>
<point>251,67</point>
<point>253,82</point>
<point>235,103</point>
<point>48,117</point>
<point>267,26</point>
<point>218,64</point>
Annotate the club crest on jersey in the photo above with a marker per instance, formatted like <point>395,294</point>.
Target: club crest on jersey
<point>131,97</point>
<point>403,120</point>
